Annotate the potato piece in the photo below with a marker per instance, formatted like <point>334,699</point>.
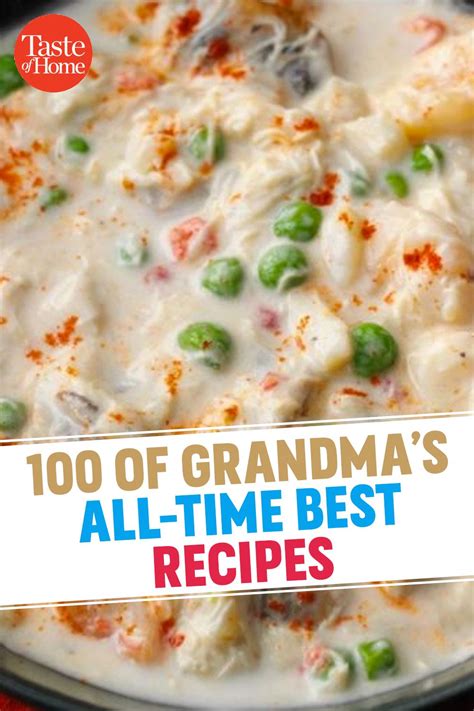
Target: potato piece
<point>440,365</point>
<point>320,337</point>
<point>428,261</point>
<point>437,96</point>
<point>375,139</point>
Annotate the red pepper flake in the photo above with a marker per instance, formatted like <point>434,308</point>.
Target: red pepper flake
<point>128,184</point>
<point>230,414</point>
<point>233,71</point>
<point>19,154</point>
<point>129,82</point>
<point>276,606</point>
<point>186,24</point>
<point>173,377</point>
<point>355,393</point>
<point>375,380</point>
<point>63,334</point>
<point>218,48</point>
<point>423,257</point>
<point>346,219</point>
<point>306,597</point>
<point>93,74</point>
<point>278,121</point>
<point>324,196</point>
<point>3,320</point>
<point>303,323</point>
<point>342,619</point>
<point>85,620</point>
<point>9,115</point>
<point>146,11</point>
<point>270,381</point>
<point>35,355</point>
<point>206,168</point>
<point>306,625</point>
<point>176,640</point>
<point>39,146</point>
<point>167,626</point>
<point>295,625</point>
<point>402,602</point>
<point>168,154</point>
<point>300,330</point>
<point>389,298</point>
<point>307,124</point>
<point>268,318</point>
<point>10,178</point>
<point>368,229</point>
<point>116,417</point>
<point>157,273</point>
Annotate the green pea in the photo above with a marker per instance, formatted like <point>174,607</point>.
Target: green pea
<point>12,415</point>
<point>10,78</point>
<point>207,145</point>
<point>379,658</point>
<point>77,144</point>
<point>211,344</point>
<point>360,185</point>
<point>298,221</point>
<point>398,184</point>
<point>424,158</point>
<point>54,197</point>
<point>132,252</point>
<point>224,277</point>
<point>283,267</point>
<point>374,349</point>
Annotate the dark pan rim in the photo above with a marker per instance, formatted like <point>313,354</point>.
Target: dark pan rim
<point>406,697</point>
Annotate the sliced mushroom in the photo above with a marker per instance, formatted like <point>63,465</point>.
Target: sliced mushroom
<point>77,407</point>
<point>306,63</point>
<point>464,5</point>
<point>264,40</point>
<point>303,63</point>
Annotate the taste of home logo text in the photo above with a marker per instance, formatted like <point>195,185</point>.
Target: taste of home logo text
<point>53,53</point>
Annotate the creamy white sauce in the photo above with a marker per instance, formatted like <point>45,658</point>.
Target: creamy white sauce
<point>73,320</point>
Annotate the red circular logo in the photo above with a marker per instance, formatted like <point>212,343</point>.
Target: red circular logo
<point>53,53</point>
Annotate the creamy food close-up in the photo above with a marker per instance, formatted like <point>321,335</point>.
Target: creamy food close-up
<point>249,212</point>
